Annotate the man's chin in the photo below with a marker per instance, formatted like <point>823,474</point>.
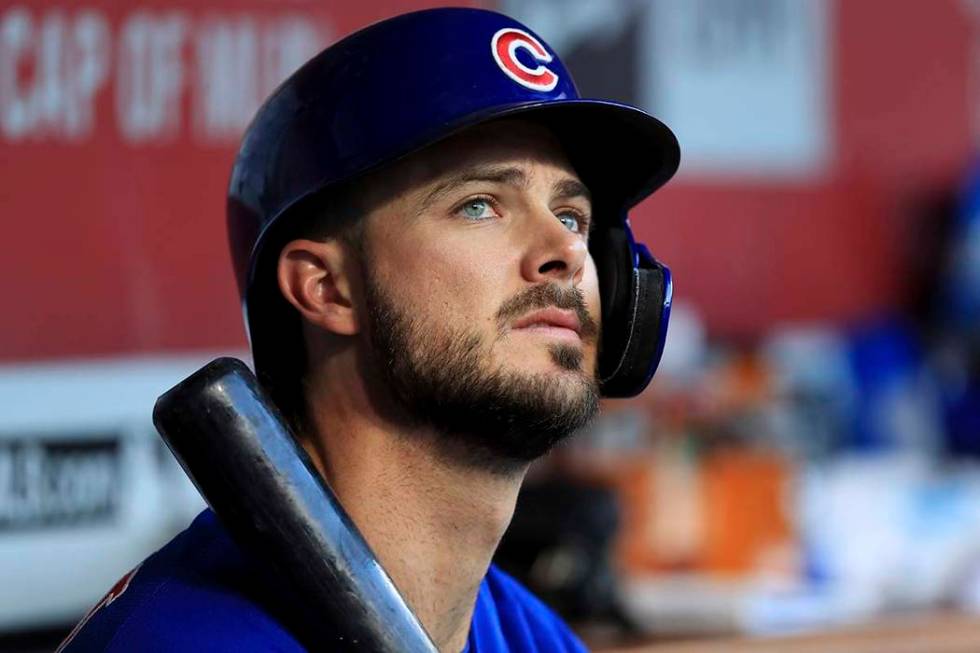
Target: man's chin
<point>554,389</point>
<point>563,361</point>
<point>517,417</point>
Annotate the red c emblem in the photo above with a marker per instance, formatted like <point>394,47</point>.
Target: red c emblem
<point>506,43</point>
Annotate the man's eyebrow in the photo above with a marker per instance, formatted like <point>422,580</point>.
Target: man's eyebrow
<point>568,188</point>
<point>494,174</point>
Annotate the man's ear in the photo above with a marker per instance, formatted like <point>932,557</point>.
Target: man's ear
<point>314,277</point>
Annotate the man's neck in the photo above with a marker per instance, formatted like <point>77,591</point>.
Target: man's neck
<point>434,525</point>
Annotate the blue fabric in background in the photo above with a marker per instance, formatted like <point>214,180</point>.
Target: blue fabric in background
<point>887,362</point>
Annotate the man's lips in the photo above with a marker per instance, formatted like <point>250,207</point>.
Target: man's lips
<point>551,321</point>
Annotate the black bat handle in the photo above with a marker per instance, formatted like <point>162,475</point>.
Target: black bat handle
<point>236,448</point>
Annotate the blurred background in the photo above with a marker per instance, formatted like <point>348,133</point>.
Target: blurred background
<point>805,461</point>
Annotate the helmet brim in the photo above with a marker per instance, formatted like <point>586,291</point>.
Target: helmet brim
<point>622,153</point>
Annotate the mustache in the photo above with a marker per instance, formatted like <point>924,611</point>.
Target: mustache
<point>547,296</point>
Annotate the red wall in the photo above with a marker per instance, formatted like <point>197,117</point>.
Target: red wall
<point>112,245</point>
<point>752,254</point>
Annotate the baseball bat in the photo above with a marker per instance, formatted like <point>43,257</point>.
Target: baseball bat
<point>234,445</point>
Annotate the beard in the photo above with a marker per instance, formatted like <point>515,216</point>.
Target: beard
<point>444,381</point>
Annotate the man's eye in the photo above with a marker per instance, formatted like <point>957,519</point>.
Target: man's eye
<point>571,221</point>
<point>477,209</point>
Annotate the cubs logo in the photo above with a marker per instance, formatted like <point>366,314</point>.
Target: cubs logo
<point>506,43</point>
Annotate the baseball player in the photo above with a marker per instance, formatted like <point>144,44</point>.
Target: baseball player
<point>429,230</point>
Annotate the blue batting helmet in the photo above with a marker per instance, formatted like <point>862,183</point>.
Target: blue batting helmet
<point>405,83</point>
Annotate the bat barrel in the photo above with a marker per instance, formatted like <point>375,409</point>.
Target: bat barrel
<point>235,447</point>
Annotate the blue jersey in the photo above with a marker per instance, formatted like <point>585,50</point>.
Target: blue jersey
<point>201,592</point>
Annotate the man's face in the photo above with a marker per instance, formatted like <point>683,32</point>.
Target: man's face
<point>481,298</point>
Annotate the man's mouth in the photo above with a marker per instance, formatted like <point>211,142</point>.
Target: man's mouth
<point>551,322</point>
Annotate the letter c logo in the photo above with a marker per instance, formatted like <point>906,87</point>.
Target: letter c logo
<point>506,43</point>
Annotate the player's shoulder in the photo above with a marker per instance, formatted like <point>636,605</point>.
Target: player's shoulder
<point>196,593</point>
<point>508,617</point>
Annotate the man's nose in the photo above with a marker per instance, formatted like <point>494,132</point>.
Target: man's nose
<point>554,252</point>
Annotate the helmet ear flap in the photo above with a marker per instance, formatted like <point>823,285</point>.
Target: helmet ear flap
<point>636,294</point>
